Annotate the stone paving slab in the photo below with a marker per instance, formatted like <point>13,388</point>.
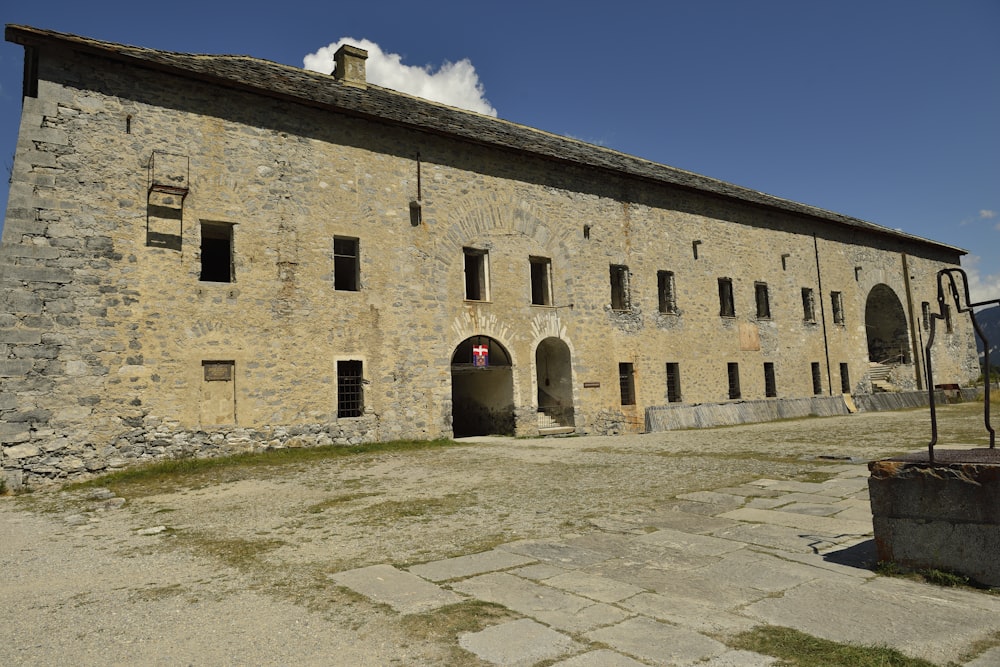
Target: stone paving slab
<point>404,592</point>
<point>466,566</point>
<point>789,485</point>
<point>740,659</point>
<point>552,606</point>
<point>811,509</point>
<point>630,548</point>
<point>518,643</point>
<point>558,553</point>
<point>600,658</point>
<point>811,498</point>
<point>696,545</point>
<point>698,615</point>
<point>714,497</point>
<point>820,525</point>
<point>698,524</point>
<point>593,586</point>
<point>658,643</point>
<point>905,618</point>
<point>539,571</point>
<point>784,538</point>
<point>762,571</point>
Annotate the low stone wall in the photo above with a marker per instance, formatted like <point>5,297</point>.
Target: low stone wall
<point>901,400</point>
<point>703,415</point>
<point>941,516</point>
<point>28,465</point>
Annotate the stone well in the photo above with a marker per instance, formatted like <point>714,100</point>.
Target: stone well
<point>942,515</point>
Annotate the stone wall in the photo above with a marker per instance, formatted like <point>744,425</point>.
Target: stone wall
<point>107,326</point>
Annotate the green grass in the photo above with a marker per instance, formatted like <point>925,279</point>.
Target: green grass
<point>798,649</point>
<point>170,475</point>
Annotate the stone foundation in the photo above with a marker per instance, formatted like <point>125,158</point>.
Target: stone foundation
<point>943,515</point>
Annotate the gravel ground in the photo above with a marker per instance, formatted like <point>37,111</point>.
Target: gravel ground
<point>234,569</point>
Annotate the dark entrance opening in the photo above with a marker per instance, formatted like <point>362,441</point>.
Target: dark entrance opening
<point>482,388</point>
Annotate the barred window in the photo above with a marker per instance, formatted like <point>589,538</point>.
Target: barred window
<point>350,397</point>
<point>673,382</point>
<point>626,380</point>
<point>733,373</point>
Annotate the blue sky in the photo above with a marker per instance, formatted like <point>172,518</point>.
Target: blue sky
<point>885,110</point>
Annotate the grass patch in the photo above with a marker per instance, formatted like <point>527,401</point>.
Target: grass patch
<point>391,511</point>
<point>337,500</point>
<point>241,554</point>
<point>798,649</point>
<point>443,626</point>
<point>173,474</point>
<point>926,575</point>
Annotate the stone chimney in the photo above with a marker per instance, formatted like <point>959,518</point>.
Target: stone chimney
<point>350,65</point>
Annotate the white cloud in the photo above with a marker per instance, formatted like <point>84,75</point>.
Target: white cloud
<point>454,84</point>
<point>987,214</point>
<point>981,288</point>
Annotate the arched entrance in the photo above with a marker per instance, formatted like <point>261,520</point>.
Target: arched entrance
<point>555,384</point>
<point>482,388</point>
<point>885,324</point>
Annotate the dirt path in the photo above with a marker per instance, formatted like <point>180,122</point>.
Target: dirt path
<point>235,570</point>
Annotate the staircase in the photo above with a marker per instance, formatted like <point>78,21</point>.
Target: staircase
<point>879,376</point>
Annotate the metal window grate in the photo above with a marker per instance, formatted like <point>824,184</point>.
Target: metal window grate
<point>673,382</point>
<point>626,380</point>
<point>350,398</point>
<point>733,373</point>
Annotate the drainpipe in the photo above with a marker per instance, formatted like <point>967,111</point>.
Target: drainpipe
<point>913,329</point>
<point>822,317</point>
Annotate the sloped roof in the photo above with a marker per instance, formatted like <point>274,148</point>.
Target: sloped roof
<point>273,79</point>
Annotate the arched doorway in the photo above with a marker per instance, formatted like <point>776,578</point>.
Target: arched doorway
<point>482,388</point>
<point>555,384</point>
<point>885,325</point>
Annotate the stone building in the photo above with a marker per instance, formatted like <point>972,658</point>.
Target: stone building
<point>213,253</point>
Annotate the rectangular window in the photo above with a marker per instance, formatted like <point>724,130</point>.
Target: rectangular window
<point>770,386</point>
<point>350,398</point>
<point>667,291</point>
<point>619,288</point>
<point>925,314</point>
<point>626,380</point>
<point>817,378</point>
<point>541,281</point>
<point>837,304</point>
<point>948,324</point>
<point>727,307</point>
<point>673,382</point>
<point>346,264</point>
<point>216,252</point>
<point>477,274</point>
<point>845,379</point>
<point>733,373</point>
<point>808,305</point>
<point>763,301</point>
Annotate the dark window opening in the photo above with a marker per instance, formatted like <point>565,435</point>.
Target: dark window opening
<point>727,307</point>
<point>541,281</point>
<point>948,324</point>
<point>845,379</point>
<point>763,301</point>
<point>477,276</point>
<point>667,291</point>
<point>216,252</point>
<point>925,313</point>
<point>346,264</point>
<point>733,373</point>
<point>837,304</point>
<point>350,398</point>
<point>619,287</point>
<point>673,383</point>
<point>817,378</point>
<point>808,305</point>
<point>770,385</point>
<point>626,380</point>
<point>586,231</point>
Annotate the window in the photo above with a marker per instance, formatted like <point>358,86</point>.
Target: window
<point>837,303</point>
<point>727,307</point>
<point>925,313</point>
<point>626,380</point>
<point>350,399</point>
<point>477,274</point>
<point>667,292</point>
<point>673,383</point>
<point>733,373</point>
<point>346,264</point>
<point>216,252</point>
<point>808,305</point>
<point>817,378</point>
<point>948,324</point>
<point>619,288</point>
<point>770,386</point>
<point>845,379</point>
<point>763,301</point>
<point>541,281</point>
